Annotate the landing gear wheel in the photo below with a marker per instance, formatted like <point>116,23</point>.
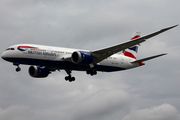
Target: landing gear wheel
<point>91,72</point>
<point>18,69</point>
<point>73,78</point>
<point>69,78</point>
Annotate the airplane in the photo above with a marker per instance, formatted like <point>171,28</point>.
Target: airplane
<point>44,60</point>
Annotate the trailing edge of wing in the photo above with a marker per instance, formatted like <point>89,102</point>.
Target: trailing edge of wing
<point>148,58</point>
<point>102,54</point>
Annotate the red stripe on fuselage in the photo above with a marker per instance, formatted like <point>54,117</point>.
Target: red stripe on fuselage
<point>27,47</point>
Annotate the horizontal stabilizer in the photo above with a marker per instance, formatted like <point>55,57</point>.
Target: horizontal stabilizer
<point>148,58</point>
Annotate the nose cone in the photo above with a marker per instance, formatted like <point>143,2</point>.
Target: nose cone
<point>4,55</point>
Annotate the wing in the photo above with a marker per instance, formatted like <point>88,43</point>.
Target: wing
<point>102,54</point>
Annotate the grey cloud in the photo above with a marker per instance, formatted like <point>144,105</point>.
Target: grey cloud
<point>161,112</point>
<point>102,104</point>
<point>16,112</point>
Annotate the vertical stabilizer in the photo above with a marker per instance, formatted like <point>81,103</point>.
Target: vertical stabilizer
<point>132,51</point>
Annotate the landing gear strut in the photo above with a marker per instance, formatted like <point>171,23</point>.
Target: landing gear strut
<point>69,77</point>
<point>18,68</point>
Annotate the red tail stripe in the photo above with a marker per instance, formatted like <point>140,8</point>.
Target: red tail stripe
<point>137,36</point>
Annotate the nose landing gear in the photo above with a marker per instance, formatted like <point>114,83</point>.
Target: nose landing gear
<point>18,68</point>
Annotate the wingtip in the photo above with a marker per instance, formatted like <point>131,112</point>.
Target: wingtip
<point>164,54</point>
<point>165,29</point>
<point>175,25</point>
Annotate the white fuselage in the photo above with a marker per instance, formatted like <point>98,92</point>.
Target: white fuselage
<point>55,58</point>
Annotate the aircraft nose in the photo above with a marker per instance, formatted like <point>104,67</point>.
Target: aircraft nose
<point>4,55</point>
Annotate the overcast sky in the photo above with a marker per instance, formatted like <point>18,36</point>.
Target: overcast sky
<point>150,92</point>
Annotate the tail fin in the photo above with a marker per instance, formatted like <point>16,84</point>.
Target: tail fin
<point>132,51</point>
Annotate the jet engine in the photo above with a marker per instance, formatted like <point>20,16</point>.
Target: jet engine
<point>81,57</point>
<point>38,72</point>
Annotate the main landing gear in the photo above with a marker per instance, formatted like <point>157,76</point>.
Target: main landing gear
<point>69,77</point>
<point>91,72</point>
<point>18,68</point>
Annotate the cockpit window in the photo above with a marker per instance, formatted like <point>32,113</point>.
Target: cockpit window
<point>10,49</point>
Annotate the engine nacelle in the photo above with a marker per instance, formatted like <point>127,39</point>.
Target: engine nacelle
<point>81,57</point>
<point>38,72</point>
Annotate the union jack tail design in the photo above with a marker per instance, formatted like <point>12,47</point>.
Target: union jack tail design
<point>132,51</point>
